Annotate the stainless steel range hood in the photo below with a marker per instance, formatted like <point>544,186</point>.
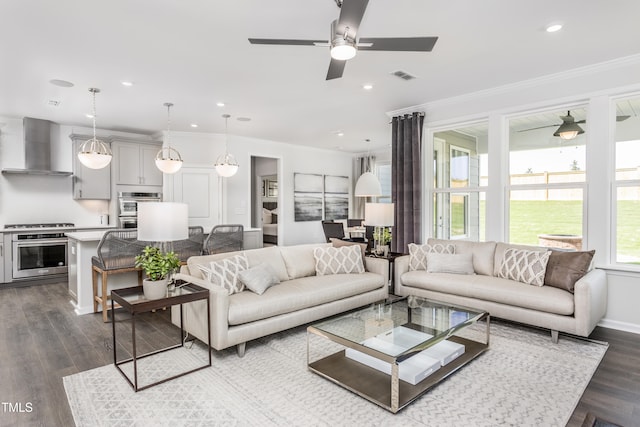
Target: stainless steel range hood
<point>37,149</point>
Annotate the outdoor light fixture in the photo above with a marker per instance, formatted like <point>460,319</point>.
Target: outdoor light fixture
<point>568,129</point>
<point>94,153</point>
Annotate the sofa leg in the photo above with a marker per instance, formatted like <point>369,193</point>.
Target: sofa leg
<point>554,336</point>
<point>241,348</point>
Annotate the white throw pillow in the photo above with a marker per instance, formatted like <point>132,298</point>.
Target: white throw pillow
<point>342,260</point>
<point>266,216</point>
<point>450,263</point>
<point>259,278</point>
<point>418,254</point>
<point>224,273</point>
<point>524,266</point>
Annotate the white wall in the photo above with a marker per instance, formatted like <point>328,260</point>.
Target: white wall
<point>596,86</point>
<point>202,150</point>
<point>37,199</point>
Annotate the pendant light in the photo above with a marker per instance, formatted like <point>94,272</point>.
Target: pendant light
<point>94,154</point>
<point>368,184</point>
<point>168,160</point>
<point>226,165</point>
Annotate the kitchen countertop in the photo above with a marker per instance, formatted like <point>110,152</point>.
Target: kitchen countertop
<point>86,236</point>
<point>59,229</point>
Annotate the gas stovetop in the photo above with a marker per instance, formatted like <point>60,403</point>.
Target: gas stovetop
<point>41,225</point>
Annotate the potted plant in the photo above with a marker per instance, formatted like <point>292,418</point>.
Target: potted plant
<point>157,266</point>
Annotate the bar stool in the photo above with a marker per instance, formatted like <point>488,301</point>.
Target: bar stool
<point>117,251</point>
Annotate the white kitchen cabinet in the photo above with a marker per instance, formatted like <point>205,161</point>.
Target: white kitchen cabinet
<point>89,183</point>
<point>135,164</point>
<point>252,238</point>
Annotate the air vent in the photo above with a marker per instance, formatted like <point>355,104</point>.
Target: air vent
<point>403,75</point>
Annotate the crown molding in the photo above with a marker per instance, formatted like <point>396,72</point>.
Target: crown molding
<point>522,85</point>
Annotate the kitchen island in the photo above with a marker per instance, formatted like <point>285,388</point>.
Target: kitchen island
<point>82,246</point>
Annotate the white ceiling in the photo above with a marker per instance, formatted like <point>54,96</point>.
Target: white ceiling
<point>195,53</point>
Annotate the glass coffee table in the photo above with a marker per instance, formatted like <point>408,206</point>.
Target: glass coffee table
<point>395,351</point>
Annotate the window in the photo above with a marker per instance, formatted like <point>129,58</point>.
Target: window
<point>546,180</point>
<point>383,171</point>
<point>459,178</point>
<point>626,236</point>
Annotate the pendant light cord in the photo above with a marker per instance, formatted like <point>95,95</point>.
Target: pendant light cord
<point>93,91</point>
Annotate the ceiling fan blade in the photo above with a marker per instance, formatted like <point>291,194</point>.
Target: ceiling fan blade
<point>288,42</point>
<point>622,118</point>
<point>540,127</point>
<point>336,68</point>
<point>351,13</point>
<point>399,44</point>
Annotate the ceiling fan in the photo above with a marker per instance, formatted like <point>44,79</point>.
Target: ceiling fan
<point>569,128</point>
<point>345,43</point>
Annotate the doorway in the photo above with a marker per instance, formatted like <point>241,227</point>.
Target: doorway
<point>265,205</point>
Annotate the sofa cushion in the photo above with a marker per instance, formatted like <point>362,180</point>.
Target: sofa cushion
<point>483,253</point>
<point>258,278</point>
<point>418,253</point>
<point>270,255</point>
<point>299,259</point>
<point>343,260</point>
<point>338,243</point>
<point>502,247</point>
<point>524,266</point>
<point>450,263</point>
<point>564,269</point>
<point>298,294</point>
<point>194,262</point>
<point>225,272</point>
<point>488,288</point>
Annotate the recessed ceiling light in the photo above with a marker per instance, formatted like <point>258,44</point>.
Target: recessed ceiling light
<point>552,28</point>
<point>61,83</point>
<point>89,116</point>
<point>194,125</point>
<point>126,83</point>
<point>340,133</point>
<point>367,86</point>
<point>244,119</point>
<point>220,104</point>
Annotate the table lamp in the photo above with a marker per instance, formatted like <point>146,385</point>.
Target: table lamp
<point>163,221</point>
<point>379,215</point>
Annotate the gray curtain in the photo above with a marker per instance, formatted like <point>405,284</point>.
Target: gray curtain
<point>406,180</point>
<point>361,165</point>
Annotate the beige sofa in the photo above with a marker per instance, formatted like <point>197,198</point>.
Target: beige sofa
<point>542,306</point>
<point>299,298</point>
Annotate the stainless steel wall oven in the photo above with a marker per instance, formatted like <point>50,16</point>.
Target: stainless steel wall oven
<point>128,207</point>
<point>39,254</point>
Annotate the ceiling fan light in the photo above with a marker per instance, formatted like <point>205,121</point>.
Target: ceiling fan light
<point>343,50</point>
<point>568,131</point>
<point>368,186</point>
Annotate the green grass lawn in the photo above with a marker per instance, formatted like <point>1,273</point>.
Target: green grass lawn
<point>529,218</point>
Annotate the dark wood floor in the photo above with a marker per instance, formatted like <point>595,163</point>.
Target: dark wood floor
<point>42,341</point>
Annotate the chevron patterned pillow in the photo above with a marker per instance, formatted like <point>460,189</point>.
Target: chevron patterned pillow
<point>524,266</point>
<point>342,260</point>
<point>418,254</point>
<point>224,272</point>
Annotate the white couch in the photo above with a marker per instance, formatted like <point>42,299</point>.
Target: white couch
<point>542,306</point>
<point>299,298</point>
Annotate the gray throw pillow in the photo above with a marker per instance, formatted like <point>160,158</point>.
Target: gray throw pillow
<point>259,278</point>
<point>564,269</point>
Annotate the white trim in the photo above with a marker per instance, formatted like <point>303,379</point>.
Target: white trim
<point>526,84</point>
<point>620,326</point>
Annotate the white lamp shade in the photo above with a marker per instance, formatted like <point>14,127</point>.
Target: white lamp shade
<point>368,186</point>
<point>226,165</point>
<point>163,221</point>
<point>379,214</point>
<point>168,165</point>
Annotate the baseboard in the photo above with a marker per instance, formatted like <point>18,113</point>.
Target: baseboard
<point>621,326</point>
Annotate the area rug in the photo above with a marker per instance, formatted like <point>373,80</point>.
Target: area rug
<point>522,380</point>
